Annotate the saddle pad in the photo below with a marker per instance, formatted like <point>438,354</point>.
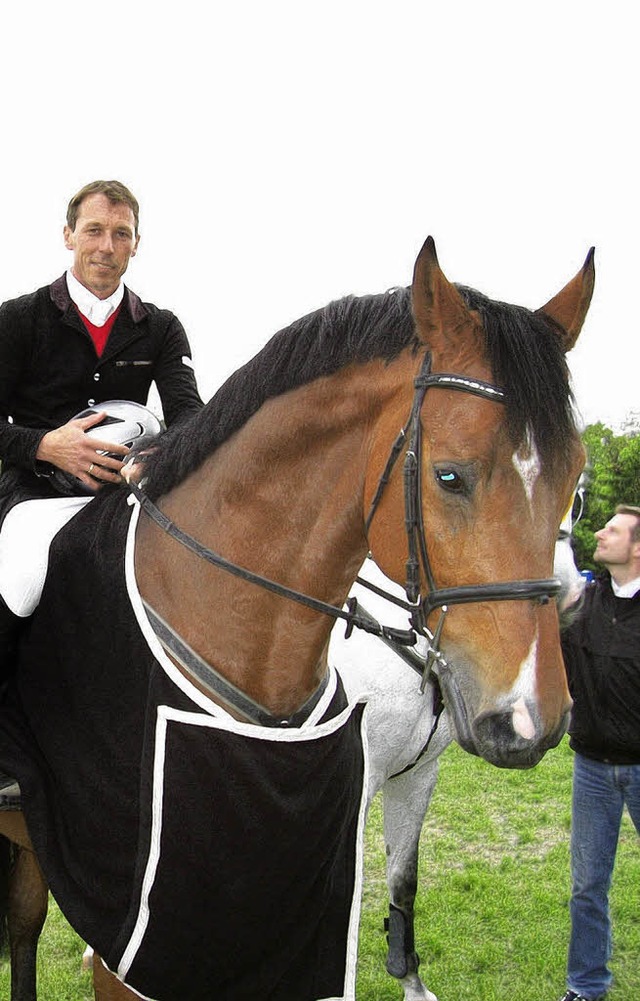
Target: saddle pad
<point>202,858</point>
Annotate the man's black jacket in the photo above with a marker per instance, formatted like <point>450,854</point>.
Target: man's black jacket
<point>602,655</point>
<point>50,371</point>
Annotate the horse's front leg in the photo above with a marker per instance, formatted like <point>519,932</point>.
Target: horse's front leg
<point>27,910</point>
<point>406,799</point>
<point>107,987</point>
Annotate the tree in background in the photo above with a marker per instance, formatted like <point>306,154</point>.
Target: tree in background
<point>612,477</point>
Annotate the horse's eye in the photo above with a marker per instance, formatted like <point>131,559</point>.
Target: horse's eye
<point>448,479</point>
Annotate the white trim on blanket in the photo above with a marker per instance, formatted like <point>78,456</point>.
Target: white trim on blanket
<point>145,997</point>
<point>167,715</point>
<point>214,716</point>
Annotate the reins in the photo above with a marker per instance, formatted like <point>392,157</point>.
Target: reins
<point>353,618</point>
<point>419,607</point>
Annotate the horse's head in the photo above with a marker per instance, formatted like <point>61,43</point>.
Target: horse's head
<point>496,475</point>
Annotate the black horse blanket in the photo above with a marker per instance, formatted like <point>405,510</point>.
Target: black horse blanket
<point>201,857</point>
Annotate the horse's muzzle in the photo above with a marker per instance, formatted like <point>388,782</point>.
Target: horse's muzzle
<point>496,739</point>
<point>511,736</point>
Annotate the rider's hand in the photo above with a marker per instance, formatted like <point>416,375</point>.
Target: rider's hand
<point>70,449</point>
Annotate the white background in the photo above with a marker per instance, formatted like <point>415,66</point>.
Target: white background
<point>288,153</point>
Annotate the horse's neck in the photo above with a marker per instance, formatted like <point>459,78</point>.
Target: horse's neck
<point>284,499</point>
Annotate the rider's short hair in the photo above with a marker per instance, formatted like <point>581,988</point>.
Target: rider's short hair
<point>635,512</point>
<point>115,191</point>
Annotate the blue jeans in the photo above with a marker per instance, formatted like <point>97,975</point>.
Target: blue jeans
<point>600,792</point>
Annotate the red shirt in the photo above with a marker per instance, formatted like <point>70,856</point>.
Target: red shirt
<point>99,335</point>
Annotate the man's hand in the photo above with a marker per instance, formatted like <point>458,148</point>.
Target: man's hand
<point>70,449</point>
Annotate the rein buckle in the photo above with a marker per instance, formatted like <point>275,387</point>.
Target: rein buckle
<point>434,655</point>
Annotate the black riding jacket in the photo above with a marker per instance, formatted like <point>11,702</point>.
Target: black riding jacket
<point>602,655</point>
<point>50,371</point>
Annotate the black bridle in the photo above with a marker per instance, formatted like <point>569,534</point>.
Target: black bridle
<point>418,606</point>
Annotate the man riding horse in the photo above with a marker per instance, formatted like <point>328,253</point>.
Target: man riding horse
<point>63,348</point>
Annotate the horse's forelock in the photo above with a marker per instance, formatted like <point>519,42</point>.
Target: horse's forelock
<point>526,355</point>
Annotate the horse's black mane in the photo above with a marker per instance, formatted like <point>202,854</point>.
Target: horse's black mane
<point>523,348</point>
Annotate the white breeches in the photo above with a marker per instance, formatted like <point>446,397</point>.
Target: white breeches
<point>27,533</point>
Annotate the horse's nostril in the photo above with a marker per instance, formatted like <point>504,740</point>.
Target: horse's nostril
<point>502,740</point>
<point>497,729</point>
<point>497,738</point>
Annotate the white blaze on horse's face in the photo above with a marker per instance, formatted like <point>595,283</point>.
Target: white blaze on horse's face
<point>522,722</point>
<point>564,568</point>
<point>526,462</point>
<point>525,688</point>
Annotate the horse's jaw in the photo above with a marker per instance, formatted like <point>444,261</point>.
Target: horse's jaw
<point>508,735</point>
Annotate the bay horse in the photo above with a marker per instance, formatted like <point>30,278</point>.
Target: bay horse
<point>239,552</point>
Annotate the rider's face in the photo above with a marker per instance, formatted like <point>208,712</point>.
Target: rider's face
<point>103,242</point>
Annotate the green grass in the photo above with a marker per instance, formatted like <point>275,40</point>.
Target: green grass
<point>492,913</point>
<point>60,976</point>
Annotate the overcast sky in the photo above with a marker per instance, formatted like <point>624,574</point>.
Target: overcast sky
<point>287,153</point>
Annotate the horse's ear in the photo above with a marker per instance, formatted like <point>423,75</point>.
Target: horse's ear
<point>438,307</point>
<point>569,307</point>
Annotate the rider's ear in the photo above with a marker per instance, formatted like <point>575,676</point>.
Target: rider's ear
<point>569,307</point>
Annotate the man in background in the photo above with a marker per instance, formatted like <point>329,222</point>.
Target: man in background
<point>602,655</point>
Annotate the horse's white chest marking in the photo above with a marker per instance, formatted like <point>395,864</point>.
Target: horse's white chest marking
<point>527,465</point>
